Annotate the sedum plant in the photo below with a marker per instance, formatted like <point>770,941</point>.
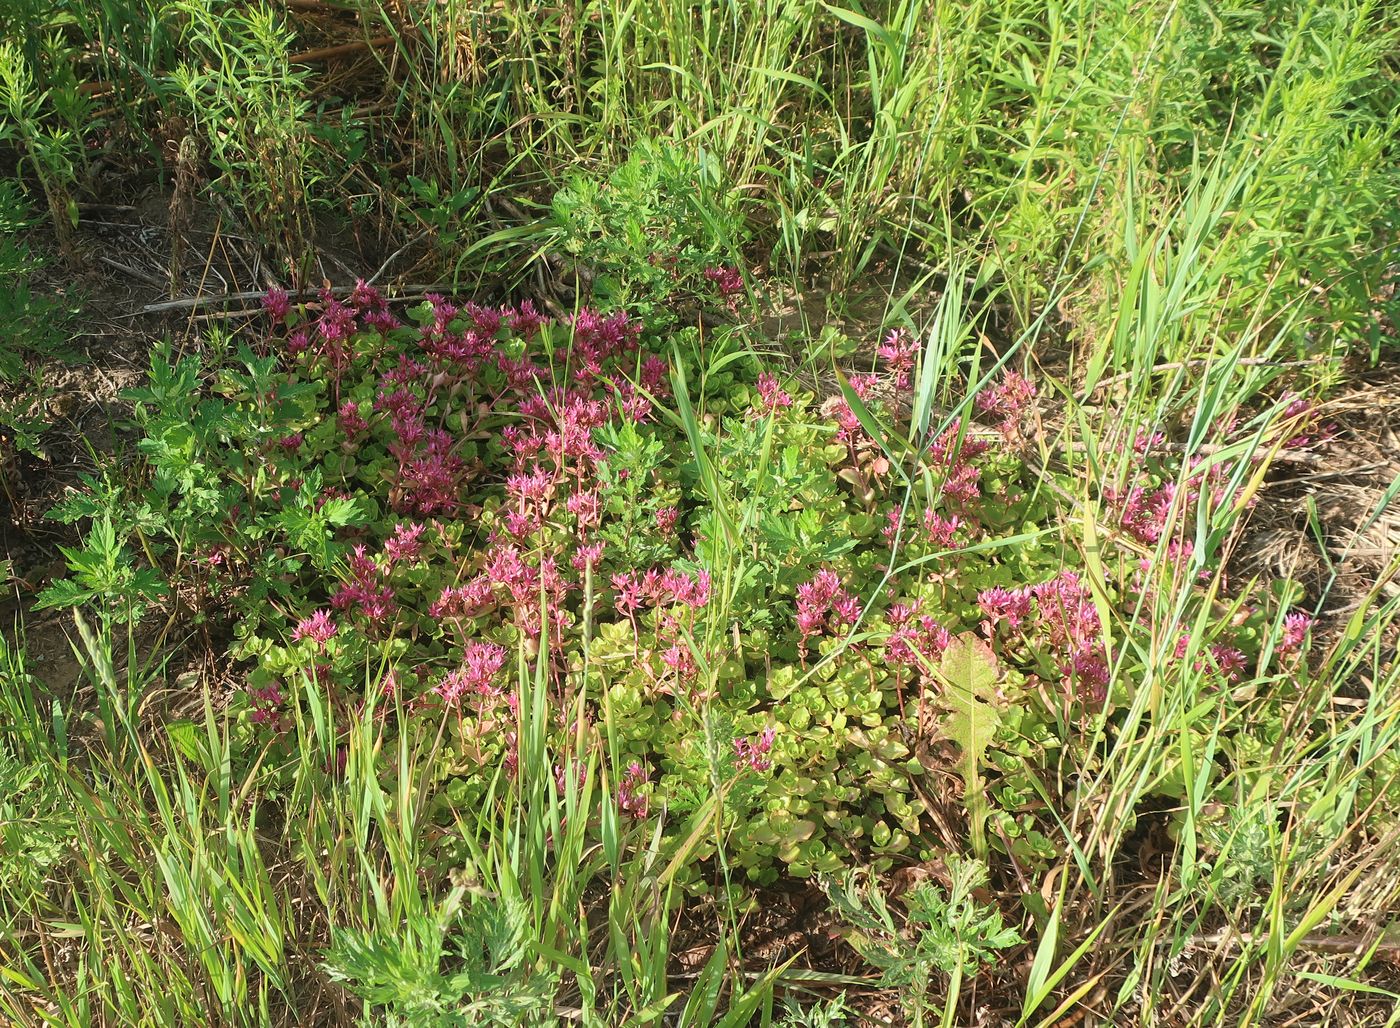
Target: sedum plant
<point>773,619</point>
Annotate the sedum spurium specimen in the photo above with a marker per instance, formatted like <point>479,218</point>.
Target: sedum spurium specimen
<point>776,619</point>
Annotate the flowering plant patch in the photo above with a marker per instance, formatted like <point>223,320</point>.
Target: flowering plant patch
<point>850,638</point>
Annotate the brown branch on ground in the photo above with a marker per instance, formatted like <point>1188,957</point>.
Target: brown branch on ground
<point>329,53</point>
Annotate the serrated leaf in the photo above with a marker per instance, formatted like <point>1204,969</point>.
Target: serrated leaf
<point>973,725</point>
<point>969,672</point>
<point>184,736</point>
<point>969,669</point>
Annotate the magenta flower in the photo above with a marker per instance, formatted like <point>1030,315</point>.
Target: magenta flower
<point>917,641</point>
<point>1229,660</point>
<point>897,351</point>
<point>772,397</point>
<point>1295,632</point>
<point>655,377</point>
<point>848,427</point>
<point>892,522</point>
<point>580,776</point>
<point>598,338</point>
<point>675,586</point>
<point>351,423</point>
<point>821,600</point>
<point>1086,673</point>
<point>754,753</point>
<point>1144,515</point>
<point>366,589</point>
<point>864,385</point>
<point>1067,614</point>
<point>630,798</point>
<point>277,304</point>
<point>586,507</point>
<point>266,703</point>
<point>366,298</point>
<point>525,321</point>
<point>429,482</point>
<point>940,530</point>
<point>587,555</point>
<point>465,601</point>
<point>680,660</point>
<point>629,593</point>
<point>1010,395</point>
<point>405,544</point>
<point>727,279</point>
<point>520,524</point>
<point>319,628</point>
<point>1146,442</point>
<point>481,662</point>
<point>1010,605</point>
<point>666,519</point>
<point>337,321</point>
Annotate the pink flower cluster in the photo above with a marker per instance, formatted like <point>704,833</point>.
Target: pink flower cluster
<point>771,396</point>
<point>954,451</point>
<point>1059,616</point>
<point>1144,514</point>
<point>1296,627</point>
<point>824,603</point>
<point>267,703</point>
<point>1069,623</point>
<point>728,280</point>
<point>1304,414</point>
<point>1221,657</point>
<point>1007,400</point>
<point>848,429</point>
<point>319,628</point>
<point>660,588</point>
<point>277,304</point>
<point>456,347</point>
<point>753,753</point>
<point>630,796</point>
<point>937,531</point>
<point>916,640</point>
<point>561,779</point>
<point>349,419</point>
<point>326,339</point>
<point>406,544</point>
<point>368,590</point>
<point>898,352</point>
<point>998,604</point>
<point>666,519</point>
<point>599,339</point>
<point>481,663</point>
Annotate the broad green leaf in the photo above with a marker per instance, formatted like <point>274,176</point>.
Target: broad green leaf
<point>968,671</point>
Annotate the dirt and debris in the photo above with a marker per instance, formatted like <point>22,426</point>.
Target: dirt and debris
<point>1326,517</point>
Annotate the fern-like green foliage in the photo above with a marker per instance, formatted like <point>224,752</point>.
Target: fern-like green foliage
<point>463,966</point>
<point>104,572</point>
<point>942,932</point>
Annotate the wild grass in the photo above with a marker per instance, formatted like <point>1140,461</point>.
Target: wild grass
<point>1171,214</point>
